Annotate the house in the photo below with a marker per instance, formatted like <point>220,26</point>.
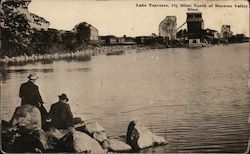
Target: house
<point>113,40</point>
<point>121,40</point>
<point>129,40</point>
<point>86,31</point>
<point>109,40</point>
<point>144,40</point>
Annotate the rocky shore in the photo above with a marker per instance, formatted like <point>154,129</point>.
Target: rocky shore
<point>24,133</point>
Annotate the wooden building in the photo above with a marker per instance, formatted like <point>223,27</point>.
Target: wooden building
<point>195,24</point>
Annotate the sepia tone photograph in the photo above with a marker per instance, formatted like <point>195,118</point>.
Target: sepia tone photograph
<point>116,76</point>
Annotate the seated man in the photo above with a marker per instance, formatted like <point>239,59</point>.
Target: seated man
<point>60,113</point>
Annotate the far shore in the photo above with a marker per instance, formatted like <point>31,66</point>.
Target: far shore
<point>81,55</point>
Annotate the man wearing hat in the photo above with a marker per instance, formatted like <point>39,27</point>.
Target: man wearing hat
<point>60,113</point>
<point>29,93</point>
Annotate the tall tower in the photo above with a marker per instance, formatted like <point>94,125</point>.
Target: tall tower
<point>195,24</point>
<point>226,32</point>
<point>167,27</point>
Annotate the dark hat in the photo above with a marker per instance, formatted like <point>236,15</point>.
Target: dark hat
<point>63,97</point>
<point>32,76</point>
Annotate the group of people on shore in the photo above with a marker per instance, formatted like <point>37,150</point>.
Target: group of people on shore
<point>59,116</point>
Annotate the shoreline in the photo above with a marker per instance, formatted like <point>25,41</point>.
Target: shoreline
<point>82,55</point>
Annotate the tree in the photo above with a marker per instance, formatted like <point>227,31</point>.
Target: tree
<point>82,32</point>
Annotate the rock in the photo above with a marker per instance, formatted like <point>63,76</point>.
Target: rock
<point>80,126</point>
<point>47,141</point>
<point>58,134</point>
<point>37,150</point>
<point>27,118</point>
<point>26,143</point>
<point>7,138</point>
<point>114,145</point>
<point>139,137</point>
<point>77,120</point>
<point>100,136</point>
<point>5,124</point>
<point>13,142</point>
<point>77,141</point>
<point>94,130</point>
<point>92,127</point>
<point>43,141</point>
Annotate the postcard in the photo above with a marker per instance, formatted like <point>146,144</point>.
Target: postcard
<point>138,76</point>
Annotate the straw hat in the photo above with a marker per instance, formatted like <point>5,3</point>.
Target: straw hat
<point>32,76</point>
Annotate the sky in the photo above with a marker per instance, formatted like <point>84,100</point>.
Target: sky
<point>126,18</point>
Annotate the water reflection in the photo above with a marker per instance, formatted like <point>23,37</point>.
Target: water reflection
<point>6,73</point>
<point>79,69</point>
<point>21,68</point>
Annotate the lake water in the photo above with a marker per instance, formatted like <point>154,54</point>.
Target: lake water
<point>197,99</point>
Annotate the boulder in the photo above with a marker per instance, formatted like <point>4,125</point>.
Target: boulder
<point>27,118</point>
<point>7,138</point>
<point>13,141</point>
<point>76,141</point>
<point>5,124</point>
<point>100,136</point>
<point>94,130</point>
<point>77,120</point>
<point>80,126</point>
<point>92,127</point>
<point>43,141</point>
<point>58,134</point>
<point>114,145</point>
<point>20,135</point>
<point>47,141</point>
<point>139,137</point>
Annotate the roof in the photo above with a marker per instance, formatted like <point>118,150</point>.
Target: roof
<point>143,37</point>
<point>36,17</point>
<point>225,25</point>
<point>194,13</point>
<point>84,24</point>
<point>211,30</point>
<point>107,36</point>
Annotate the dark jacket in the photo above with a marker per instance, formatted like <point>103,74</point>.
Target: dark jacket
<point>61,115</point>
<point>29,93</point>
